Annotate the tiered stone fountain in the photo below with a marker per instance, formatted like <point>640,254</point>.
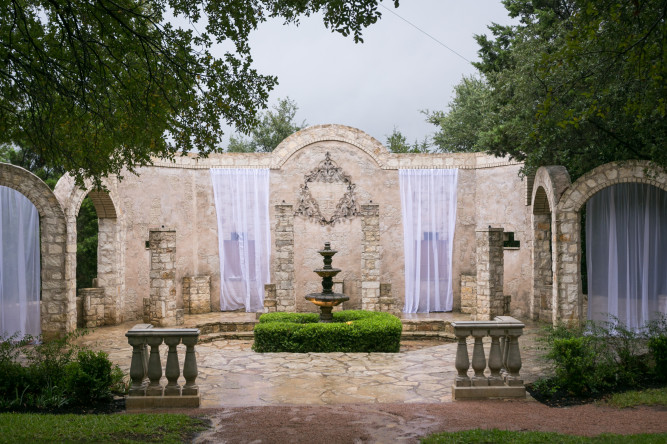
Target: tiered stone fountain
<point>327,299</point>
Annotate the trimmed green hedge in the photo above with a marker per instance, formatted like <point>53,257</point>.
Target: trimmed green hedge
<point>352,331</point>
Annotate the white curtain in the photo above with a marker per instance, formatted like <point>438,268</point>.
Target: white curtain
<point>244,239</point>
<point>626,253</point>
<point>428,202</point>
<point>19,265</point>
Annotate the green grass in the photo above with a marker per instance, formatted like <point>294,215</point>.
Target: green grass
<point>657,396</point>
<point>503,436</point>
<point>117,428</point>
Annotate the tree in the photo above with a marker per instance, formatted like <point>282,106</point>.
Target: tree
<point>95,86</point>
<point>460,127</point>
<point>577,83</point>
<point>273,127</point>
<point>397,143</point>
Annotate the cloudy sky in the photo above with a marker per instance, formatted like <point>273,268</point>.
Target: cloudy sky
<point>384,82</point>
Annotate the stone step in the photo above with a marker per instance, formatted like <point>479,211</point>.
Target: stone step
<point>226,335</point>
<point>413,329</point>
<point>227,327</point>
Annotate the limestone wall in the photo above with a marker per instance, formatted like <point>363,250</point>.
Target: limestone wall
<point>179,195</point>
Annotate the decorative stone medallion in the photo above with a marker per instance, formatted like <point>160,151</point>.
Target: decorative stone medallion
<point>327,172</point>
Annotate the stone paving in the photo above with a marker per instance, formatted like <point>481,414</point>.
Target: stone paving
<point>232,375</point>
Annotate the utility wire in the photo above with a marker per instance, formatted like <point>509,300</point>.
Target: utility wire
<point>425,33</point>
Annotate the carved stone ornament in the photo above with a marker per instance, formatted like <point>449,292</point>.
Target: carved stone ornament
<point>328,172</point>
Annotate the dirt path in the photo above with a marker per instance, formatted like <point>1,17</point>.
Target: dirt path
<point>406,423</point>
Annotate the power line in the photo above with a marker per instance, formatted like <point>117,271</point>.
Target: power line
<point>425,33</point>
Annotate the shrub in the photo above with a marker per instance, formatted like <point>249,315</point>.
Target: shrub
<point>352,331</point>
<point>55,375</point>
<point>604,356</point>
<point>658,348</point>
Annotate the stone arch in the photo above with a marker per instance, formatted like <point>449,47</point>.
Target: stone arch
<point>568,298</point>
<point>549,184</point>
<point>57,310</point>
<point>321,133</point>
<point>111,241</point>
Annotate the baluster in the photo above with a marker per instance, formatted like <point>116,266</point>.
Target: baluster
<point>154,367</point>
<point>504,347</point>
<point>137,367</point>
<point>495,359</point>
<point>514,359</point>
<point>173,371</point>
<point>478,359</point>
<point>190,371</point>
<point>462,361</point>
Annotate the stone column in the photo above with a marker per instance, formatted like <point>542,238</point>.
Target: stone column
<point>163,310</point>
<point>540,308</point>
<point>269,298</point>
<point>468,294</point>
<point>93,307</point>
<point>107,269</point>
<point>370,257</point>
<point>197,294</point>
<point>490,271</point>
<point>284,259</point>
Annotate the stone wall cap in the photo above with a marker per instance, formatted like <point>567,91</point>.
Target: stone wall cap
<point>163,332</point>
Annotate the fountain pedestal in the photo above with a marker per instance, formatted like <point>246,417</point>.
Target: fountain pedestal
<point>327,299</point>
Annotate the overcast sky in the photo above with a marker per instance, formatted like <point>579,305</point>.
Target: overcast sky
<point>384,82</point>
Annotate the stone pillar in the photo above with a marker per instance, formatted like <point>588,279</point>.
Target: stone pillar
<point>163,310</point>
<point>387,301</point>
<point>93,307</point>
<point>540,308</point>
<point>284,259</point>
<point>370,257</point>
<point>468,294</point>
<point>269,298</point>
<point>490,266</point>
<point>107,269</point>
<point>197,294</point>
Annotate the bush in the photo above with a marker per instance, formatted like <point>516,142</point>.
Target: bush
<point>600,357</point>
<point>658,348</point>
<point>352,331</point>
<point>55,375</point>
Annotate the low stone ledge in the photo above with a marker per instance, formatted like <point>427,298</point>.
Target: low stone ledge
<point>162,402</point>
<point>459,393</point>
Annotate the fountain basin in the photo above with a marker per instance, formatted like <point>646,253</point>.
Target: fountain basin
<point>327,300</point>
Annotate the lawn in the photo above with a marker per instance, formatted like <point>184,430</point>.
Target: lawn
<point>114,428</point>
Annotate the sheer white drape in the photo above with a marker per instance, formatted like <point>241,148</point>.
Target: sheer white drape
<point>244,239</point>
<point>626,253</point>
<point>428,202</point>
<point>19,265</point>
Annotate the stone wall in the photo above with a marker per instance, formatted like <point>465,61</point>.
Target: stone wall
<point>196,294</point>
<point>179,194</point>
<point>163,311</point>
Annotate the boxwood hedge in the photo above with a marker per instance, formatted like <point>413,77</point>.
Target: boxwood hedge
<point>352,331</point>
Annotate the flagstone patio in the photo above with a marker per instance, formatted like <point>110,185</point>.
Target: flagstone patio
<point>232,375</point>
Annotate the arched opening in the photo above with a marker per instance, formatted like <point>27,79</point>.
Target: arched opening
<point>98,261</point>
<point>86,255</point>
<point>626,253</point>
<point>541,307</point>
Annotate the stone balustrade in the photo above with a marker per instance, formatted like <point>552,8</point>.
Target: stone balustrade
<point>504,359</point>
<point>146,389</point>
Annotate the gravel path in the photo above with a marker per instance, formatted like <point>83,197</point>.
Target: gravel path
<point>406,423</point>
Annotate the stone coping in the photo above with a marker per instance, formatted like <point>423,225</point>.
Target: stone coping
<point>163,332</point>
